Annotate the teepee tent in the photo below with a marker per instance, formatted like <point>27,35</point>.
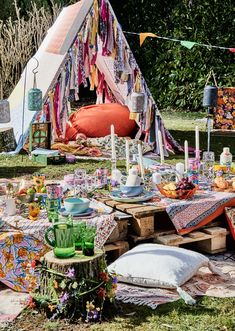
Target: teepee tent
<point>86,46</point>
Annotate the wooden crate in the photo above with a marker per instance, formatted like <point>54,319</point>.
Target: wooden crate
<point>116,249</point>
<point>142,216</point>
<point>209,240</point>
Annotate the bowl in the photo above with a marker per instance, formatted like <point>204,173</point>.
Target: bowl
<point>176,194</point>
<point>132,191</point>
<point>76,205</point>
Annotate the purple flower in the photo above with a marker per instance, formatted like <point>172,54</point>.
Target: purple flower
<point>64,297</point>
<point>114,280</point>
<point>70,273</point>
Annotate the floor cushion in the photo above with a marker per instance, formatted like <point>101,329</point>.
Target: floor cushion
<point>95,121</point>
<point>153,265</point>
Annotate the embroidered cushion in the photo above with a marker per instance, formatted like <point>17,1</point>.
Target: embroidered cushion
<point>95,121</point>
<point>153,265</point>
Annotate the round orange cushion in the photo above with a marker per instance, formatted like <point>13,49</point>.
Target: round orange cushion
<point>95,121</point>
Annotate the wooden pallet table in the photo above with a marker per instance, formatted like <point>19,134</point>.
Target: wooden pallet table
<point>142,216</point>
<point>149,223</point>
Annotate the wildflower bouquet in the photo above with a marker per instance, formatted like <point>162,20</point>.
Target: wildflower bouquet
<point>73,298</point>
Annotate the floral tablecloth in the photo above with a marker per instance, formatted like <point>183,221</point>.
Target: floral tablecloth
<point>22,241</point>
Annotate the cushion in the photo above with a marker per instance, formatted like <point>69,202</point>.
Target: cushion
<point>95,121</point>
<point>153,265</point>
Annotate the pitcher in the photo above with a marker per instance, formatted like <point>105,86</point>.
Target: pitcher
<point>63,238</point>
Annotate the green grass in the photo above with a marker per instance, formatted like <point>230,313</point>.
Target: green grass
<point>209,314</point>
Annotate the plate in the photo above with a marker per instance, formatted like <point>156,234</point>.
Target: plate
<point>88,212</point>
<point>120,197</point>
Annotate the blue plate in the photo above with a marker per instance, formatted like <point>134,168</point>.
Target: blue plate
<point>120,197</point>
<point>88,212</point>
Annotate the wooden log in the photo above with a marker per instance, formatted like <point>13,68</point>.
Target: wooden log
<point>7,140</point>
<point>85,267</point>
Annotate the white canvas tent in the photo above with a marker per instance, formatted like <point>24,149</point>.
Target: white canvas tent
<point>57,62</point>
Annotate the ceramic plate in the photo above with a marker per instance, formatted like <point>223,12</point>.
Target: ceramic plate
<point>120,197</point>
<point>88,212</point>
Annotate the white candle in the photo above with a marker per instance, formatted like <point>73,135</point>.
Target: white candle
<point>127,156</point>
<point>156,179</point>
<point>113,142</point>
<point>160,147</point>
<point>197,148</point>
<point>141,160</point>
<point>186,155</point>
<point>197,138</point>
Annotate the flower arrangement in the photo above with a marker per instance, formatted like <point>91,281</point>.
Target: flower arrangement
<point>72,298</point>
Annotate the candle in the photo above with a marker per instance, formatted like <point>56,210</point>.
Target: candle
<point>197,149</point>
<point>113,142</point>
<point>160,147</point>
<point>127,156</point>
<point>186,155</point>
<point>141,160</point>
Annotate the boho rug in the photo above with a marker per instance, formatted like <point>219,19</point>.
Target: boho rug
<point>204,283</point>
<point>11,304</point>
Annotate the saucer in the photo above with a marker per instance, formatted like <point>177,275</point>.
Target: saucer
<point>88,212</point>
<point>120,197</point>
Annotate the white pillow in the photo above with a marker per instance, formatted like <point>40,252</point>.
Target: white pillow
<point>153,265</point>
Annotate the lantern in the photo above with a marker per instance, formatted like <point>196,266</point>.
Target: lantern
<point>35,94</point>
<point>137,102</point>
<point>4,111</point>
<point>210,96</point>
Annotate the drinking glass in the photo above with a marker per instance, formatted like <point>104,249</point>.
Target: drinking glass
<point>62,237</point>
<point>79,228</point>
<point>208,160</point>
<point>88,243</point>
<point>52,207</point>
<point>80,182</point>
<point>91,183</point>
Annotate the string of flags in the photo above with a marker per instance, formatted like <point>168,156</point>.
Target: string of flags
<point>186,43</point>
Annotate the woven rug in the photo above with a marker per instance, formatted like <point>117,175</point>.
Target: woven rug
<point>204,283</point>
<point>11,304</point>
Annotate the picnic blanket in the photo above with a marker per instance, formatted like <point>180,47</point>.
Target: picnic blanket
<point>202,208</point>
<point>203,283</point>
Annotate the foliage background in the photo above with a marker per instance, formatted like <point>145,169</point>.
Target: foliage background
<point>175,75</point>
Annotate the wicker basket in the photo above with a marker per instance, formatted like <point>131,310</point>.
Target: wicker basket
<point>176,194</point>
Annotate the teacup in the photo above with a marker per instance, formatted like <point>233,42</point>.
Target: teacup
<point>76,205</point>
<point>132,191</point>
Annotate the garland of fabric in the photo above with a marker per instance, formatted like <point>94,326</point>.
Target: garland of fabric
<point>102,35</point>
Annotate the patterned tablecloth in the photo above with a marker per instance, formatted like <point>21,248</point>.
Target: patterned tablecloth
<point>188,215</point>
<point>22,240</point>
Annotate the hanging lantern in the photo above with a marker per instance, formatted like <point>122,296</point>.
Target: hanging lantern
<point>4,111</point>
<point>210,96</point>
<point>137,102</point>
<point>34,96</point>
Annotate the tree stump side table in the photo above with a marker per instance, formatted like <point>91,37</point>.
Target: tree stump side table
<point>85,267</point>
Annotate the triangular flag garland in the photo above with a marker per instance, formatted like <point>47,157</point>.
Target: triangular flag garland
<point>185,43</point>
<point>144,35</point>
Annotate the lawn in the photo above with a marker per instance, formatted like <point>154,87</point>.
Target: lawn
<point>208,314</point>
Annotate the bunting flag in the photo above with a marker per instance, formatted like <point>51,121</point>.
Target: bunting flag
<point>186,43</point>
<point>144,35</point>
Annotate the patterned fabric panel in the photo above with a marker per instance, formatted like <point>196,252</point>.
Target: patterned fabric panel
<point>224,114</point>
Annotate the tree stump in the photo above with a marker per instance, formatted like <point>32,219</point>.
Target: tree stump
<point>7,140</point>
<point>85,267</point>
